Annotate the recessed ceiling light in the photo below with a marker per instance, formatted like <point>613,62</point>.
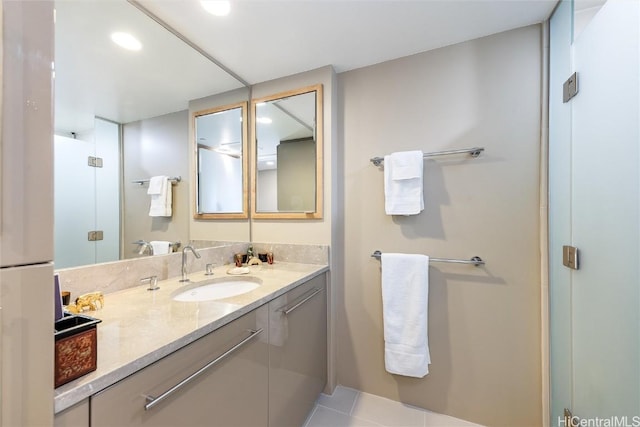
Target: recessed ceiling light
<point>126,40</point>
<point>216,7</point>
<point>264,120</point>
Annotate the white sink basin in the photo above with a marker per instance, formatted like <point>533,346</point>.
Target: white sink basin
<point>215,289</point>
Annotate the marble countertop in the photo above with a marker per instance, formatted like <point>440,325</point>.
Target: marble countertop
<point>140,327</point>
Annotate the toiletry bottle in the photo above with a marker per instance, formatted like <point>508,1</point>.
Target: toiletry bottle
<point>249,253</point>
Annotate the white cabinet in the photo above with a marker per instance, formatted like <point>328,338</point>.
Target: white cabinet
<point>297,352</point>
<point>26,208</point>
<point>26,373</point>
<point>26,214</point>
<point>218,380</point>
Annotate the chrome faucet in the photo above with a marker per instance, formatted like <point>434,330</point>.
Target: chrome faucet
<point>143,245</point>
<point>184,261</point>
<point>153,282</point>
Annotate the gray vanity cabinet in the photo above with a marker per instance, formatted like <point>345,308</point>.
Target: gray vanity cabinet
<point>297,352</point>
<point>76,416</point>
<point>231,392</point>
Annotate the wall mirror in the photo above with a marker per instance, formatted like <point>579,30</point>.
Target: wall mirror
<point>221,162</point>
<point>97,79</point>
<point>287,155</point>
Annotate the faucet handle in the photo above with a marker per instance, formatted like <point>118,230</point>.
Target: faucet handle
<point>153,283</point>
<point>209,269</point>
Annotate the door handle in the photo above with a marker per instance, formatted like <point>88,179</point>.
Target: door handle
<point>312,293</point>
<point>153,401</point>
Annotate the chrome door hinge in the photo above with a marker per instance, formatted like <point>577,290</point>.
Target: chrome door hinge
<point>570,88</point>
<point>95,162</point>
<point>95,235</point>
<point>570,257</point>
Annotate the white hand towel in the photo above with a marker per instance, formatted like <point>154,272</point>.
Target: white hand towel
<point>160,247</point>
<point>161,199</point>
<point>155,184</point>
<point>405,299</point>
<point>403,182</point>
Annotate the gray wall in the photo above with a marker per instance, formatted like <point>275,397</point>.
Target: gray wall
<point>484,323</point>
<point>267,190</point>
<point>155,146</point>
<point>296,175</point>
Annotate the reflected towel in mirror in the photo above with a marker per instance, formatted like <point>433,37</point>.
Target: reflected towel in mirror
<point>161,197</point>
<point>160,247</point>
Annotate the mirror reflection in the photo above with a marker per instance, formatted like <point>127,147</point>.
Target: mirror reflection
<point>76,187</point>
<point>220,162</point>
<point>141,97</point>
<point>288,154</point>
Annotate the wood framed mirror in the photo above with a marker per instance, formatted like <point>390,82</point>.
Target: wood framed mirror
<point>221,172</point>
<point>287,154</point>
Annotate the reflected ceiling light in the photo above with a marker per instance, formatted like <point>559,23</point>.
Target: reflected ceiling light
<point>126,41</point>
<point>270,163</point>
<point>264,120</point>
<point>216,7</point>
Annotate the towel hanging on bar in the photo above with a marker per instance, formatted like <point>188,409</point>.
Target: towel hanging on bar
<point>403,182</point>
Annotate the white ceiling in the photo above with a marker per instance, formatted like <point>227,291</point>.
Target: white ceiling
<point>265,39</point>
<point>260,40</point>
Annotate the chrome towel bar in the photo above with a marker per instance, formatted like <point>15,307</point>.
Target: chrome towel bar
<point>173,179</point>
<point>473,152</point>
<point>476,260</point>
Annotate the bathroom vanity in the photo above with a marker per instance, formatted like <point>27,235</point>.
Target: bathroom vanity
<point>256,359</point>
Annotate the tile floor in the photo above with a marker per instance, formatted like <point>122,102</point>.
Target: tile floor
<point>352,408</point>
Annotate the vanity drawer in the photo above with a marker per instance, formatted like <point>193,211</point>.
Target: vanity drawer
<point>229,386</point>
<point>297,352</point>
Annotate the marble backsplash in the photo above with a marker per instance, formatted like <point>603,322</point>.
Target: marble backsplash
<point>118,275</point>
<point>305,254</point>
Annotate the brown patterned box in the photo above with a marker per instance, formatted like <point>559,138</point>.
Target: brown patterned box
<point>76,347</point>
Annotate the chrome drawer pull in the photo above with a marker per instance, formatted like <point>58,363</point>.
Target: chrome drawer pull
<point>153,401</point>
<point>314,292</point>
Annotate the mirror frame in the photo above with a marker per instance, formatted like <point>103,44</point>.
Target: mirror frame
<point>317,214</point>
<point>245,164</point>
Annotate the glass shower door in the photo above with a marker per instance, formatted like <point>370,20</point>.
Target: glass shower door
<point>560,211</point>
<point>75,201</point>
<point>87,198</point>
<point>605,215</point>
<point>594,204</point>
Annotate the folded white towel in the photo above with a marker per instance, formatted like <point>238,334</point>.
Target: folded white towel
<point>161,199</point>
<point>160,247</point>
<point>403,192</point>
<point>405,299</point>
<point>155,184</point>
